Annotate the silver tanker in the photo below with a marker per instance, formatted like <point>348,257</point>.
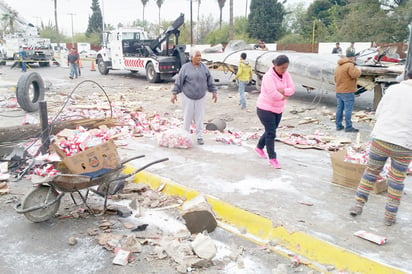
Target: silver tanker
<point>311,70</point>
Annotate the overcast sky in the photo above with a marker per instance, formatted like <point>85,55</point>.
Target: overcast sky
<point>123,11</point>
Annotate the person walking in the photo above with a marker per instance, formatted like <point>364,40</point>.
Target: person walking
<point>391,138</point>
<point>244,75</point>
<point>73,60</point>
<point>23,56</point>
<point>345,77</point>
<point>277,86</point>
<point>193,80</point>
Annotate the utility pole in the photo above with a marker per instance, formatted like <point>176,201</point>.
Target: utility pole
<point>71,16</point>
<point>191,24</point>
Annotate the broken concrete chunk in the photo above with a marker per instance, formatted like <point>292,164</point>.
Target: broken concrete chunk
<point>132,244</point>
<point>122,257</point>
<point>134,187</point>
<point>72,241</point>
<point>134,204</point>
<point>204,247</point>
<point>198,215</point>
<point>280,269</point>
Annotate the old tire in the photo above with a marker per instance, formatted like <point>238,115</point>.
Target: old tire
<point>39,196</point>
<point>151,75</point>
<point>101,66</point>
<point>30,91</point>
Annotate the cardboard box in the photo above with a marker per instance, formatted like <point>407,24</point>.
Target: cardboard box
<point>93,161</point>
<point>349,174</point>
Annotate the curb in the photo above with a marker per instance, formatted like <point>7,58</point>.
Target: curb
<point>313,252</point>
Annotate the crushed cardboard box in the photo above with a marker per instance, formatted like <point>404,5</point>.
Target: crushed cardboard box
<point>349,174</point>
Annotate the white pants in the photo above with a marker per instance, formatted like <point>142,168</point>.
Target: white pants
<point>194,110</point>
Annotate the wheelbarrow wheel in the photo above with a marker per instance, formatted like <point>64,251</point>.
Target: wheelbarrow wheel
<point>40,196</point>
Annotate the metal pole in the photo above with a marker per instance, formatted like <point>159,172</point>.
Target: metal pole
<point>71,16</point>
<point>45,131</point>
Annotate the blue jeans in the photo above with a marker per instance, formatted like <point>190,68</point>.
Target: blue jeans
<point>345,102</point>
<point>270,121</point>
<point>242,85</point>
<point>74,70</point>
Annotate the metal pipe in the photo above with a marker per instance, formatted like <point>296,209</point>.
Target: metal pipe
<point>45,130</point>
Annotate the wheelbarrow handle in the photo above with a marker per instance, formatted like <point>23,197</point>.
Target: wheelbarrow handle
<point>142,168</point>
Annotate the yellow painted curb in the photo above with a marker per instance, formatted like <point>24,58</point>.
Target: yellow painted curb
<point>260,230</point>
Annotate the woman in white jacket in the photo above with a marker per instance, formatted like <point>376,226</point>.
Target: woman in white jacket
<point>391,138</point>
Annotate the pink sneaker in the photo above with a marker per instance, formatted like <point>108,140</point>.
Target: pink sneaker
<point>274,163</point>
<point>260,152</point>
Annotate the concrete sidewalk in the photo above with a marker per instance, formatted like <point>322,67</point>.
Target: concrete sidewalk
<point>265,205</point>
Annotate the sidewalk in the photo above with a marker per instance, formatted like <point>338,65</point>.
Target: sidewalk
<point>265,203</point>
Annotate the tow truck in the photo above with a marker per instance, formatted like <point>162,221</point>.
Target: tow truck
<point>130,49</point>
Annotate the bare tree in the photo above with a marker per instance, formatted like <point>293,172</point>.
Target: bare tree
<point>159,4</point>
<point>221,5</point>
<point>231,27</point>
<point>144,2</point>
<point>55,16</point>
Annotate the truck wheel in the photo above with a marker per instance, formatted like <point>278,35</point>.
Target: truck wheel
<point>44,64</point>
<point>101,65</point>
<point>30,90</point>
<point>151,75</point>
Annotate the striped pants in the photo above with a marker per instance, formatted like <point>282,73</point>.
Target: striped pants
<point>380,151</point>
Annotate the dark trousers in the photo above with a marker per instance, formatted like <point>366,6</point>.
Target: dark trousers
<point>270,121</point>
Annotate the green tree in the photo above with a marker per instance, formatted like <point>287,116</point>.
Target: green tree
<point>49,31</point>
<point>368,20</point>
<point>95,20</point>
<point>265,20</point>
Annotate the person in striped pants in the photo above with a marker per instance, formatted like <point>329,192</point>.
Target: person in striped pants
<point>391,138</point>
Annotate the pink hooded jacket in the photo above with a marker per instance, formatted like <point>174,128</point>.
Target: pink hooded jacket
<point>269,98</point>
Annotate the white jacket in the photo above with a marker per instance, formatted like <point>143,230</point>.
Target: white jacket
<point>394,115</point>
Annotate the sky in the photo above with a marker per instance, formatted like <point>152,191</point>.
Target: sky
<point>124,11</point>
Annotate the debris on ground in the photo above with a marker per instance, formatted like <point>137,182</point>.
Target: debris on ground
<point>198,215</point>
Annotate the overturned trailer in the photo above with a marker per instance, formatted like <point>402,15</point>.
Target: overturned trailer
<point>313,71</point>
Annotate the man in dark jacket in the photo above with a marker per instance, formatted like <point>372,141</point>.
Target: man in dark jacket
<point>346,75</point>
<point>73,61</point>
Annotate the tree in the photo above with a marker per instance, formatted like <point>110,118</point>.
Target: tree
<point>8,20</point>
<point>55,16</point>
<point>265,20</point>
<point>159,3</point>
<point>95,20</point>
<point>144,2</point>
<point>231,28</point>
<point>221,5</point>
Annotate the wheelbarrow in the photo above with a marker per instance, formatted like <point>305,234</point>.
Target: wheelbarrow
<point>42,203</point>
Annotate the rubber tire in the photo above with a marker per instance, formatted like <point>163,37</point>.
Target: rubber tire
<point>28,82</point>
<point>151,75</point>
<point>101,66</point>
<point>35,198</point>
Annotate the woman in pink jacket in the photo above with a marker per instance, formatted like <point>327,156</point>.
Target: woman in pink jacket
<point>277,86</point>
